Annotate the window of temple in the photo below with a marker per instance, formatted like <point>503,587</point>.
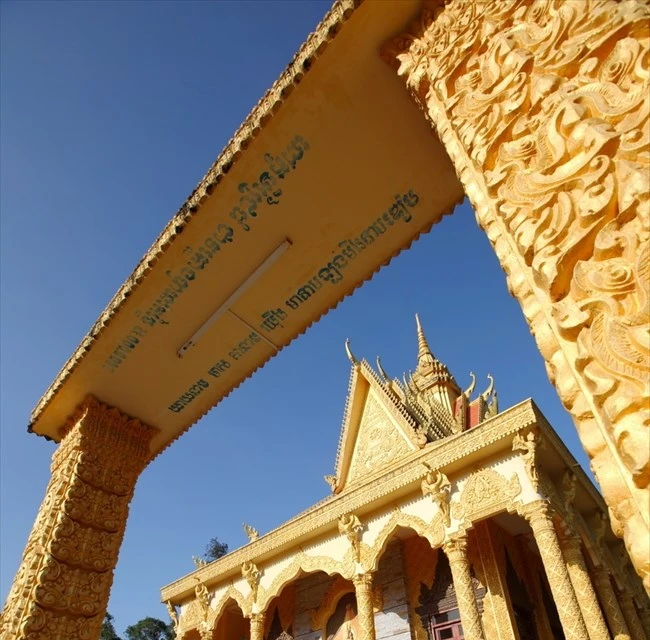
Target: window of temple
<point>446,626</point>
<point>343,623</point>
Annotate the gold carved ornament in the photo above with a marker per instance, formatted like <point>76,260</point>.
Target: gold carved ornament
<point>485,493</point>
<point>543,108</point>
<point>529,443</point>
<point>436,484</point>
<point>252,575</point>
<point>350,526</point>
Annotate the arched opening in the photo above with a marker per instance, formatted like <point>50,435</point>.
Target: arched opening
<point>231,623</point>
<point>279,621</point>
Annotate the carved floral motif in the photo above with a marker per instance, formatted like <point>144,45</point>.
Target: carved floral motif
<point>542,107</point>
<point>485,493</point>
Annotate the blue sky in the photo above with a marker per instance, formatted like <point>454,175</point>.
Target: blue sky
<point>111,113</point>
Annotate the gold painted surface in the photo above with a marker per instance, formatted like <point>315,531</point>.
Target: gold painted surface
<point>300,150</point>
<point>543,109</point>
<point>496,603</point>
<point>62,586</point>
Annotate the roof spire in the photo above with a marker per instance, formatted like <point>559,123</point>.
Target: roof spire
<point>424,352</point>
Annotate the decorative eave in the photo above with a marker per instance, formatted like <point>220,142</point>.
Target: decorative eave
<point>259,116</point>
<point>448,455</point>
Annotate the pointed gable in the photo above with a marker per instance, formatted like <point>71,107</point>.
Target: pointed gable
<point>375,432</point>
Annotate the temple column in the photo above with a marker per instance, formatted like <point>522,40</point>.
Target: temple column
<point>456,551</point>
<point>539,518</point>
<point>365,610</point>
<point>583,587</point>
<point>503,85</point>
<point>612,610</point>
<point>62,587</point>
<point>257,626</point>
<point>632,617</point>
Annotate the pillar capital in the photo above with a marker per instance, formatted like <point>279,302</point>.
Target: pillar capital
<point>257,625</point>
<point>363,581</point>
<point>455,549</point>
<point>62,586</point>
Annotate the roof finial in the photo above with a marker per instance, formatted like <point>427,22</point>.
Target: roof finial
<point>351,357</point>
<point>423,346</point>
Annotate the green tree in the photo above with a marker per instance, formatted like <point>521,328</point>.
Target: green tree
<point>215,550</point>
<point>108,630</point>
<point>150,629</point>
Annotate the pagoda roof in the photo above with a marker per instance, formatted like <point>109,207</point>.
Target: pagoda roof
<point>304,204</point>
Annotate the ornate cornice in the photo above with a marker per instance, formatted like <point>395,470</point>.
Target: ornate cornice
<point>258,118</point>
<point>443,455</point>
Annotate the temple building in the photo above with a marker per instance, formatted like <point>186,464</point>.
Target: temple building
<point>448,519</point>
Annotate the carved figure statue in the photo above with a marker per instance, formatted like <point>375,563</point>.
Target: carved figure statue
<point>203,597</point>
<point>493,406</point>
<point>569,483</point>
<point>529,446</point>
<point>252,575</point>
<point>173,615</point>
<point>436,484</point>
<point>331,481</point>
<point>199,562</point>
<point>351,527</point>
<point>252,533</point>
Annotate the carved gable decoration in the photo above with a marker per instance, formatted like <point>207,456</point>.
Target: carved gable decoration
<point>374,432</point>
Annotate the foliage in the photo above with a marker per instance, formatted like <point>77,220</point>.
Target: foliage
<point>108,630</point>
<point>150,629</point>
<point>215,550</point>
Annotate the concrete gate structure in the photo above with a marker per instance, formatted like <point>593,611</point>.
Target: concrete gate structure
<point>541,116</point>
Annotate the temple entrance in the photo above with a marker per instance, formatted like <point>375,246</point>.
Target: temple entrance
<point>550,149</point>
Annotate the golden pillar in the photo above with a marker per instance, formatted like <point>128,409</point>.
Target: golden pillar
<point>583,587</point>
<point>365,610</point>
<point>498,617</point>
<point>548,131</point>
<point>541,522</point>
<point>456,551</point>
<point>632,617</point>
<point>257,626</point>
<point>610,604</point>
<point>62,586</point>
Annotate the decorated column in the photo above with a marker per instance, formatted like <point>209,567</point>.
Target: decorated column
<point>456,551</point>
<point>62,586</point>
<point>539,517</point>
<point>542,108</point>
<point>610,604</point>
<point>632,617</point>
<point>365,611</point>
<point>584,589</point>
<point>257,626</point>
